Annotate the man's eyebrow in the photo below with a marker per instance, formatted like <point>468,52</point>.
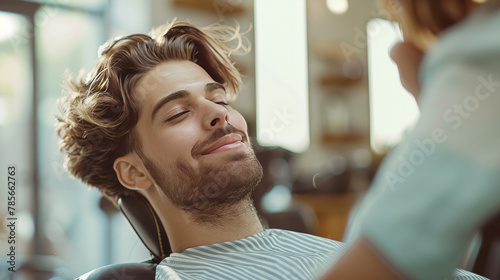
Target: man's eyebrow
<point>183,94</point>
<point>213,86</point>
<point>169,98</point>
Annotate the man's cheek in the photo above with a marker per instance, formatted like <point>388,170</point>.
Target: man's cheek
<point>238,121</point>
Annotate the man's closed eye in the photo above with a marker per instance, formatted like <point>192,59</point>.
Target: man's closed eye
<point>176,116</point>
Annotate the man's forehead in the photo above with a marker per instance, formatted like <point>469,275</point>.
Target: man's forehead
<point>168,77</point>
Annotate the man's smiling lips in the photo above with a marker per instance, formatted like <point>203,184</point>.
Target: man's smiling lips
<point>227,142</point>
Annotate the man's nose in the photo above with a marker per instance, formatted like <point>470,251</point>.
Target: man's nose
<point>215,116</point>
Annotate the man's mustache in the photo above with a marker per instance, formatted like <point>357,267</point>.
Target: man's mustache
<point>216,135</point>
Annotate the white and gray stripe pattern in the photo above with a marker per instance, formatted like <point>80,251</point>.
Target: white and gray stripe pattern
<point>269,255</point>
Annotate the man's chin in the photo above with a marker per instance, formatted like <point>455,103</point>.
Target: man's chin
<point>221,187</point>
<point>239,172</point>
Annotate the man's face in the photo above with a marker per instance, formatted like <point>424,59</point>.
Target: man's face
<point>193,144</point>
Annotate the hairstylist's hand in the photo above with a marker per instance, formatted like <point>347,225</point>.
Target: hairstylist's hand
<point>408,58</point>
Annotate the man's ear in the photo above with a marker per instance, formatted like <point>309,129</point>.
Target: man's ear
<point>131,172</point>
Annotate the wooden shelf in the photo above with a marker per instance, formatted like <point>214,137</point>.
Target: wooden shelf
<point>345,139</point>
<point>338,81</point>
<point>215,6</point>
<point>332,211</point>
<point>330,51</point>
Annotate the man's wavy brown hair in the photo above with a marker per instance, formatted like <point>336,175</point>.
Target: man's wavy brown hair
<point>99,114</point>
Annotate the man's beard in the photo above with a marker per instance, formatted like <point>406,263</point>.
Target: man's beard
<point>209,192</point>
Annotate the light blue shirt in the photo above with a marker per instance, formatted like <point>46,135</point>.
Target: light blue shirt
<point>437,187</point>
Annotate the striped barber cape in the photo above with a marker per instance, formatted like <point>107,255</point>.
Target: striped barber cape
<point>269,255</point>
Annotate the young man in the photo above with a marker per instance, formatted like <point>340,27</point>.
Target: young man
<point>153,120</point>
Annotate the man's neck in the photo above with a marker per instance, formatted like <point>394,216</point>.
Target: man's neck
<point>183,232</point>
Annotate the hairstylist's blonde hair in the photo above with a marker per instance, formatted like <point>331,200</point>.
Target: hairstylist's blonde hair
<point>422,20</point>
<point>99,114</point>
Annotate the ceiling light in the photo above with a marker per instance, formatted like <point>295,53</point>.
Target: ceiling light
<point>337,6</point>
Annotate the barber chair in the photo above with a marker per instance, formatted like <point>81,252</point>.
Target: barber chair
<point>148,227</point>
<point>488,259</point>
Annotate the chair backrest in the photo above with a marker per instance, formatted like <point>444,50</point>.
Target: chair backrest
<point>143,271</point>
<point>147,225</point>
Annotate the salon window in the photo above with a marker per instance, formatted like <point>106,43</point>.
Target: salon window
<point>393,111</point>
<point>61,229</point>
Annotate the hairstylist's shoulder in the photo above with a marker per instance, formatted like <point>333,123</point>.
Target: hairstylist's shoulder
<point>471,42</point>
<point>473,37</point>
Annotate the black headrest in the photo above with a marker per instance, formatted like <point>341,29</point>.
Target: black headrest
<point>147,225</point>
<point>143,271</point>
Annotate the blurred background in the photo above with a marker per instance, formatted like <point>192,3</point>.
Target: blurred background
<point>321,117</point>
